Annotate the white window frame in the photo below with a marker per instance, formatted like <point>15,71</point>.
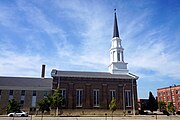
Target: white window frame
<point>113,56</point>
<point>79,97</point>
<point>11,95</point>
<point>33,101</point>
<point>63,93</point>
<point>113,94</point>
<point>128,98</point>
<point>118,56</point>
<point>96,98</point>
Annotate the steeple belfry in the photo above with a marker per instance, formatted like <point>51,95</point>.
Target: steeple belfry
<point>117,64</point>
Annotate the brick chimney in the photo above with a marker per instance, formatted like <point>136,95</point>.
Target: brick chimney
<point>43,71</point>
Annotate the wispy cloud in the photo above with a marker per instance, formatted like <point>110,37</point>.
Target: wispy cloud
<point>76,35</point>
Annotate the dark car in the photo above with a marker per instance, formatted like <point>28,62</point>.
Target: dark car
<point>178,113</point>
<point>165,112</point>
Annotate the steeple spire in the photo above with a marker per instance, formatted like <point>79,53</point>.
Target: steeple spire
<point>117,64</point>
<point>116,32</point>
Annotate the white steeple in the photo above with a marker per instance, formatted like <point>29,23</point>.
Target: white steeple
<point>117,64</point>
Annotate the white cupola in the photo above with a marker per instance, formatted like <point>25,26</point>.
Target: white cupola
<point>117,64</point>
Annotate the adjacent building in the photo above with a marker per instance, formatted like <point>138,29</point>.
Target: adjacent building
<point>170,94</point>
<point>88,91</point>
<point>27,91</point>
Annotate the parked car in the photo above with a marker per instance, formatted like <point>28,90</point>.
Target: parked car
<point>165,112</point>
<point>18,114</point>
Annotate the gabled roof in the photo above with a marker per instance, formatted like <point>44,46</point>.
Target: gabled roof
<point>58,73</point>
<point>25,83</point>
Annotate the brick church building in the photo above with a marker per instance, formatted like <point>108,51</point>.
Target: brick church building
<point>93,91</point>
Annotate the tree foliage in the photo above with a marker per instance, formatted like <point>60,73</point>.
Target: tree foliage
<point>44,105</point>
<point>170,107</point>
<point>13,106</point>
<point>152,103</point>
<point>57,99</point>
<point>112,105</point>
<point>162,105</point>
<point>54,102</point>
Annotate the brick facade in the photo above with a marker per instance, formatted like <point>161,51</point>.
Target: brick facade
<point>170,94</point>
<point>104,85</point>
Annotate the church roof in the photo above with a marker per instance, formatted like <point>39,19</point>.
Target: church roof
<point>115,32</point>
<point>58,73</point>
<point>25,83</point>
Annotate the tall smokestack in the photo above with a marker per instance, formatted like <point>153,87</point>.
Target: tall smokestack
<point>43,71</point>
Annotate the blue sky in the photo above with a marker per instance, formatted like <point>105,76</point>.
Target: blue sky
<point>76,35</point>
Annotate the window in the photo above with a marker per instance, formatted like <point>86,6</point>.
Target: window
<point>79,93</point>
<point>173,98</point>
<point>177,91</point>
<point>23,93</point>
<point>118,56</point>
<point>172,92</point>
<point>22,98</point>
<point>178,98</point>
<point>33,99</point>
<point>113,94</point>
<point>128,98</point>
<point>161,93</point>
<point>34,93</point>
<point>113,55</point>
<point>96,97</point>
<point>21,103</point>
<point>45,94</point>
<point>164,99</point>
<point>11,92</point>
<point>63,93</point>
<point>168,99</point>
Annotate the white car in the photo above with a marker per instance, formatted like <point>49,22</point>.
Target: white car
<point>18,114</point>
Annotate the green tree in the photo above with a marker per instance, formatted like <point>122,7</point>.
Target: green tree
<point>152,103</point>
<point>13,106</point>
<point>44,105</point>
<point>162,105</point>
<point>170,107</point>
<point>57,100</point>
<point>113,106</point>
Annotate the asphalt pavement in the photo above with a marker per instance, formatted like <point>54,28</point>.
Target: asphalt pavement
<point>137,117</point>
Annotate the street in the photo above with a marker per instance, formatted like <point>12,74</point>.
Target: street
<point>137,117</point>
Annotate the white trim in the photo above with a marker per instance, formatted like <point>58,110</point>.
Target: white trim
<point>79,100</point>
<point>97,97</point>
<point>111,94</point>
<point>128,97</point>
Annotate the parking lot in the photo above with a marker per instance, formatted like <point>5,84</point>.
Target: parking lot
<point>137,117</point>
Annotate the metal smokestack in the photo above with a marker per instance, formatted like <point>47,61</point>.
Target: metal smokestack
<point>43,71</point>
